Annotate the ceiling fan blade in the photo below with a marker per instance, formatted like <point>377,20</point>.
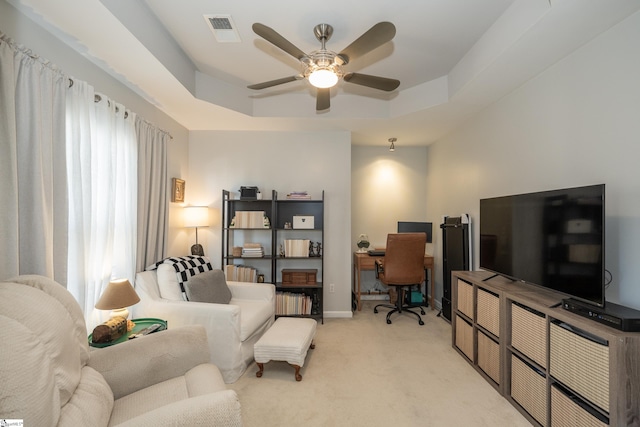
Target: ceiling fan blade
<point>270,35</point>
<point>323,99</point>
<point>376,36</point>
<point>276,82</point>
<point>375,82</point>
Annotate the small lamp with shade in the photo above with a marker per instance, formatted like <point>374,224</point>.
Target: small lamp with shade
<point>118,296</point>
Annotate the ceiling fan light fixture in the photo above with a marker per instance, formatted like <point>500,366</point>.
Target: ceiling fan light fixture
<point>323,67</point>
<point>323,78</point>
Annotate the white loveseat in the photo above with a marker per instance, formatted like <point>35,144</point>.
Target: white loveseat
<point>232,329</point>
<point>49,377</point>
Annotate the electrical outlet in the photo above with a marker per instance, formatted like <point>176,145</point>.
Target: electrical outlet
<point>332,288</point>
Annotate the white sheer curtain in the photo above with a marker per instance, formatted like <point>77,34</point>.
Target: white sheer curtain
<point>101,143</point>
<point>33,229</point>
<point>69,180</point>
<point>152,193</point>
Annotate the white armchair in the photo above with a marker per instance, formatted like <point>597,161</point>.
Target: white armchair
<point>232,329</point>
<point>50,377</point>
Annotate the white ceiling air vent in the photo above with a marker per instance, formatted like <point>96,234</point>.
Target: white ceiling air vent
<point>223,28</point>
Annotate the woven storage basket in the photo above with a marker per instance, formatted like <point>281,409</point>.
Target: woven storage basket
<point>465,298</point>
<point>489,311</point>
<point>566,413</point>
<point>528,388</point>
<point>580,364</point>
<point>489,356</point>
<point>529,334</point>
<point>464,337</point>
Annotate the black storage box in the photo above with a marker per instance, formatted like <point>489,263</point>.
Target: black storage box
<point>249,193</point>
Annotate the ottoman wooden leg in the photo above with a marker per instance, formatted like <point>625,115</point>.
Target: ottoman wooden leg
<point>298,376</point>
<point>313,345</point>
<point>261,369</point>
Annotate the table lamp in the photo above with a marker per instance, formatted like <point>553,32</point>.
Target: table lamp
<point>117,297</point>
<point>194,217</point>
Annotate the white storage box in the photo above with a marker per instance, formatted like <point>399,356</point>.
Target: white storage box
<point>303,221</point>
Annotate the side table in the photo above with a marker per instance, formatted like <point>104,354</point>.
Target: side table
<point>141,323</point>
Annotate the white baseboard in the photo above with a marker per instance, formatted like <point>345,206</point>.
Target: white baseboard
<point>383,297</point>
<point>349,314</point>
<point>338,314</point>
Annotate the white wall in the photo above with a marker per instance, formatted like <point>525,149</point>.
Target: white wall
<point>386,187</point>
<point>281,161</point>
<point>577,123</point>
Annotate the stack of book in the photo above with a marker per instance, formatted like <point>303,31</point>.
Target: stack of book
<point>296,248</point>
<point>289,303</point>
<point>299,195</point>
<point>252,250</point>
<point>249,219</point>
<point>241,273</point>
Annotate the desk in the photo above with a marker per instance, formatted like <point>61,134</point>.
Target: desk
<point>363,261</point>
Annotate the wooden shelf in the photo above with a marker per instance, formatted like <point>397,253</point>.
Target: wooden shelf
<point>279,213</point>
<point>544,370</point>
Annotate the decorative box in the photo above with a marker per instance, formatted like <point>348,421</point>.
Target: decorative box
<point>489,356</point>
<point>488,311</point>
<point>303,221</point>
<point>528,388</point>
<point>295,276</point>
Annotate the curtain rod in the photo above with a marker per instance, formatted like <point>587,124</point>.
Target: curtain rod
<point>28,52</point>
<point>98,98</point>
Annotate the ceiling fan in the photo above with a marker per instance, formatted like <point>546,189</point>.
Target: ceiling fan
<point>323,68</point>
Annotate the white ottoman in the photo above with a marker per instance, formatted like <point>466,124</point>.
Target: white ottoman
<point>287,340</point>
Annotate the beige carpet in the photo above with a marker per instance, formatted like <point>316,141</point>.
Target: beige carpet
<point>364,372</point>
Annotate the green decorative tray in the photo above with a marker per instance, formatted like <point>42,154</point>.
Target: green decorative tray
<point>141,323</point>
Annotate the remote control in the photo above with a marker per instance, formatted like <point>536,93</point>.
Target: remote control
<point>146,331</point>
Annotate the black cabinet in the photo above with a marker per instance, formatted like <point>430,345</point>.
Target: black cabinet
<point>247,238</point>
<point>455,255</point>
<point>291,238</point>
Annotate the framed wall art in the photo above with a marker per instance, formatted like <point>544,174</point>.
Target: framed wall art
<point>177,190</point>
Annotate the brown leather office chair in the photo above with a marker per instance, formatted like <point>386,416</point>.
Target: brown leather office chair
<point>402,268</point>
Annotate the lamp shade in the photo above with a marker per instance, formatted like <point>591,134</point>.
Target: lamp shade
<point>196,216</point>
<point>119,294</point>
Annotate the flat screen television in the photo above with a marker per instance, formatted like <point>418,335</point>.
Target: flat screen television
<point>416,227</point>
<point>553,239</point>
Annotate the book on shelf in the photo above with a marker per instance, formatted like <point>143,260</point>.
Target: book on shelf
<point>291,303</point>
<point>250,219</point>
<point>296,248</point>
<point>252,250</point>
<point>241,273</point>
<point>299,195</point>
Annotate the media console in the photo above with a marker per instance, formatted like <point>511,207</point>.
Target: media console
<point>614,315</point>
<point>555,366</point>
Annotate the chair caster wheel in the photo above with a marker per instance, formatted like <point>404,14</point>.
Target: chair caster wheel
<point>375,310</point>
<point>421,323</point>
<point>388,322</point>
<point>422,312</point>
